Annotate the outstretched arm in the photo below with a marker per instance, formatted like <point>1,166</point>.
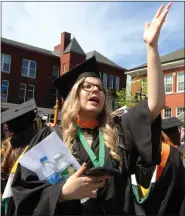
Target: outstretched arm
<point>156,92</point>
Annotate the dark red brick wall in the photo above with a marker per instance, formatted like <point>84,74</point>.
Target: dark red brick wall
<point>173,100</point>
<point>42,82</point>
<point>109,70</point>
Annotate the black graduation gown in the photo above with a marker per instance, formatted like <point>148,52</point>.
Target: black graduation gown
<point>168,194</point>
<point>139,147</point>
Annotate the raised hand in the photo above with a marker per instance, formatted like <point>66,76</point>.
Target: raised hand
<point>152,30</point>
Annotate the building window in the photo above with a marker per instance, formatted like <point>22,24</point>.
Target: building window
<point>4,90</point>
<point>28,68</point>
<point>168,82</point>
<point>117,83</point>
<point>5,63</point>
<point>30,92</point>
<point>105,80</point>
<point>54,96</point>
<point>179,110</point>
<point>167,113</point>
<point>180,82</point>
<point>111,81</point>
<point>55,72</point>
<point>22,93</point>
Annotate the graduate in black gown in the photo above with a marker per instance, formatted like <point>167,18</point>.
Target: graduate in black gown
<point>132,145</point>
<point>171,131</point>
<point>24,124</point>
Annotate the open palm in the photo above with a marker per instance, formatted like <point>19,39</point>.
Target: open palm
<point>152,30</point>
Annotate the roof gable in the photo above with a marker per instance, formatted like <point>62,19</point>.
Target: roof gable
<point>26,46</point>
<point>173,56</point>
<point>102,59</point>
<point>74,47</point>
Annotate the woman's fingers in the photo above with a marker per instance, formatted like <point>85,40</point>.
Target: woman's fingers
<point>163,16</point>
<point>165,12</point>
<point>159,11</point>
<point>81,171</point>
<point>168,5</point>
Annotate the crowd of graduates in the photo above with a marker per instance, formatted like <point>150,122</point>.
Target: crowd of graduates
<point>143,147</point>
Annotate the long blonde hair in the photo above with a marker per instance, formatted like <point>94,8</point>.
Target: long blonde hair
<point>70,111</point>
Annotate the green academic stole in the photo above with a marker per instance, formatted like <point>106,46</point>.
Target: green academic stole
<point>89,151</point>
<point>141,193</point>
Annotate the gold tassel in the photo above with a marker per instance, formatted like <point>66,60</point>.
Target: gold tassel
<point>55,113</point>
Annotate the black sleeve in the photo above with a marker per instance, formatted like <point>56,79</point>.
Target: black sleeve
<point>142,137</point>
<point>175,183</point>
<point>32,196</point>
<point>181,187</point>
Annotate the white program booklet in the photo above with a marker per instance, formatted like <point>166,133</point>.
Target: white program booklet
<point>49,147</point>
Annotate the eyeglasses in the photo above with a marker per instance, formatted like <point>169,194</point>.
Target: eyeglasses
<point>89,87</point>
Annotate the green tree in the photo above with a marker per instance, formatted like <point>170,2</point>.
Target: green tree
<point>144,85</point>
<point>125,96</point>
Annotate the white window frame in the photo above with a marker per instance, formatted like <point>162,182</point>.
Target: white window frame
<point>177,110</point>
<point>2,62</point>
<point>178,82</point>
<point>24,90</point>
<point>111,85</point>
<point>105,82</point>
<point>30,90</point>
<point>117,78</point>
<point>164,112</point>
<point>58,71</point>
<point>6,93</point>
<point>28,69</point>
<point>165,77</point>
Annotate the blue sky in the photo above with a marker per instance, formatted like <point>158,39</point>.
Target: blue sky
<point>115,29</point>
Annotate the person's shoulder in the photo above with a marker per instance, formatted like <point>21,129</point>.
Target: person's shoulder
<point>42,134</point>
<point>58,130</point>
<point>175,155</point>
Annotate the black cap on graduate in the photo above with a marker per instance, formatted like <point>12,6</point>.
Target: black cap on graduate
<point>64,83</point>
<point>20,117</point>
<point>171,125</point>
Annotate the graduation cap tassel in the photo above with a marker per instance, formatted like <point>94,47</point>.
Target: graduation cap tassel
<point>55,113</point>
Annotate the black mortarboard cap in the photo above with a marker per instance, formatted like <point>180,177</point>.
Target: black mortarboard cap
<point>88,68</point>
<point>20,117</point>
<point>170,125</point>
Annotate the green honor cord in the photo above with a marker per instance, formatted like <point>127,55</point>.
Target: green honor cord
<point>89,151</point>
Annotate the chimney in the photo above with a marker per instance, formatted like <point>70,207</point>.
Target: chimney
<point>65,40</point>
<point>64,59</point>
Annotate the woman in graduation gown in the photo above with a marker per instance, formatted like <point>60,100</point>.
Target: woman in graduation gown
<point>24,123</point>
<point>133,146</point>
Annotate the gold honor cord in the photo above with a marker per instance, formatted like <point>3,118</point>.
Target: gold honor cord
<point>55,113</point>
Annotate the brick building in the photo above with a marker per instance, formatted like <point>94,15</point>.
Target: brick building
<point>27,71</point>
<point>173,68</point>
